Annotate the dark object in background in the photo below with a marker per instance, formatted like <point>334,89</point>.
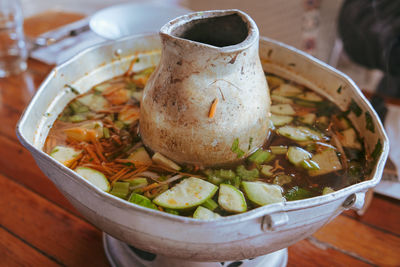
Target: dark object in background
<point>370,31</point>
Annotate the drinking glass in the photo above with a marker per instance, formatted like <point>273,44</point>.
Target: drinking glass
<point>13,51</point>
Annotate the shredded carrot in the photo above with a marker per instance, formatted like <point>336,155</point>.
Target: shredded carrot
<point>160,208</point>
<point>149,187</point>
<point>119,174</point>
<point>112,89</point>
<point>213,108</point>
<point>73,165</point>
<point>130,69</point>
<point>92,154</point>
<point>98,149</point>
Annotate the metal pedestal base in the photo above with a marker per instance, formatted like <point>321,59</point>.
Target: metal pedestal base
<point>120,254</point>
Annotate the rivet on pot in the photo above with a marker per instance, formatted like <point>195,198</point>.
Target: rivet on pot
<point>350,200</point>
<point>118,52</point>
<point>272,222</point>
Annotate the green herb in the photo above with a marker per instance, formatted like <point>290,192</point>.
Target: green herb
<point>142,201</point>
<point>355,108</point>
<point>129,164</point>
<point>377,150</point>
<point>73,90</point>
<point>235,148</point>
<point>297,193</point>
<point>369,123</point>
<point>260,156</point>
<point>248,175</point>
<point>339,90</point>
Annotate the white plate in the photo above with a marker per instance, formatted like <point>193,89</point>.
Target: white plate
<point>133,18</point>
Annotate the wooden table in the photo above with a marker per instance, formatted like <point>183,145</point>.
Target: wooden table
<point>39,227</point>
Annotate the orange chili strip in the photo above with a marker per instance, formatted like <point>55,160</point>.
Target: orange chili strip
<point>213,108</point>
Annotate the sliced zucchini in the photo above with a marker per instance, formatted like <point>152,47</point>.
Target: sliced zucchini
<point>296,155</point>
<point>95,177</point>
<point>282,109</point>
<point>280,120</point>
<point>65,155</point>
<point>281,99</point>
<point>262,193</point>
<point>248,175</point>
<point>310,96</point>
<point>93,101</point>
<point>299,133</point>
<point>287,90</point>
<point>231,199</point>
<point>327,161</point>
<point>308,118</point>
<point>348,138</point>
<point>140,155</point>
<point>202,213</point>
<point>166,162</point>
<point>191,192</point>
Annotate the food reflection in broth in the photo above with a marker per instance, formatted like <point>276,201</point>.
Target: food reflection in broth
<point>313,149</point>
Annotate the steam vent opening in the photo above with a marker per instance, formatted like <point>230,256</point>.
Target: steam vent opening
<point>218,31</point>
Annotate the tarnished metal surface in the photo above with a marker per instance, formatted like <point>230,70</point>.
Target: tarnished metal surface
<point>235,237</point>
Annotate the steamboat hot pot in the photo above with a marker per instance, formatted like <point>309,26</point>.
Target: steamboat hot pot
<point>251,234</point>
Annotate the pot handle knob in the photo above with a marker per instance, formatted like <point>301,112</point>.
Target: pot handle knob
<point>274,221</point>
<point>354,201</point>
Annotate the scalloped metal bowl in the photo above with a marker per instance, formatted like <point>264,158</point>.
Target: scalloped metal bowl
<point>254,233</point>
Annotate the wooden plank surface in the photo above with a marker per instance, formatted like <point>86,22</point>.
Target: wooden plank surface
<point>39,227</point>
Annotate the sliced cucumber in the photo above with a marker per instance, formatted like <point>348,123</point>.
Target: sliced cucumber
<point>262,193</point>
<point>94,102</point>
<point>348,138</point>
<point>202,213</point>
<point>282,109</point>
<point>296,155</point>
<point>280,120</point>
<point>191,192</point>
<point>95,177</point>
<point>231,199</point>
<point>281,99</point>
<point>308,118</point>
<point>327,161</point>
<point>140,155</point>
<point>166,162</point>
<point>137,182</point>
<point>287,90</point>
<point>65,155</point>
<point>299,133</point>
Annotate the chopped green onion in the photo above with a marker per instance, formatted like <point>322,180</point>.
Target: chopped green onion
<point>248,175</point>
<point>120,189</point>
<point>297,193</point>
<point>235,148</point>
<point>210,204</point>
<point>171,211</point>
<point>142,201</point>
<point>260,156</point>
<point>278,150</point>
